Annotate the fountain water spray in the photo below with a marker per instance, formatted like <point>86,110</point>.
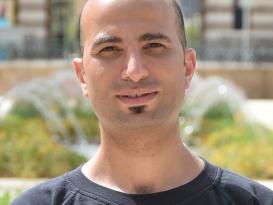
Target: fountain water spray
<point>204,94</point>
<point>59,90</point>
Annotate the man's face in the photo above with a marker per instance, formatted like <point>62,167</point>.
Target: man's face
<point>134,69</point>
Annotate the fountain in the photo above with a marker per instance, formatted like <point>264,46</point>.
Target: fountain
<point>58,98</point>
<point>203,95</point>
<point>55,98</point>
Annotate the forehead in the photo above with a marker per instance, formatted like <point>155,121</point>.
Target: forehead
<point>98,5</point>
<point>102,14</point>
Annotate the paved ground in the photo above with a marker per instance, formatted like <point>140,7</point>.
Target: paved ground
<point>269,184</point>
<point>260,110</point>
<point>18,184</point>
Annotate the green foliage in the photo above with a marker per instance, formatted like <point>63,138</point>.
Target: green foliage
<point>89,123</point>
<point>25,110</point>
<point>224,138</point>
<point>220,110</point>
<point>233,143</point>
<point>27,148</point>
<point>7,196</point>
<point>5,199</point>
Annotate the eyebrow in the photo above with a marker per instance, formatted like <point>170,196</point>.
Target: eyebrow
<point>154,36</point>
<point>105,38</point>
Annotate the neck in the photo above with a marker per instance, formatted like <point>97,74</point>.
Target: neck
<point>134,163</point>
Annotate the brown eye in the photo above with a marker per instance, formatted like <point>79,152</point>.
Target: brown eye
<point>110,49</point>
<point>154,45</point>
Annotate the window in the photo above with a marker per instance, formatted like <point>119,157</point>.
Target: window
<point>238,15</point>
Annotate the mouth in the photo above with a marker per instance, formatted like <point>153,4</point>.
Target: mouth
<point>137,98</point>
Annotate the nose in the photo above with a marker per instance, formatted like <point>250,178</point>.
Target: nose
<point>135,69</point>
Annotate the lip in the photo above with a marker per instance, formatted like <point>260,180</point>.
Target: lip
<point>137,97</point>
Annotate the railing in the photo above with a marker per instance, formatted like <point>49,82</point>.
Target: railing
<point>33,49</point>
<point>19,43</point>
<point>226,53</point>
<point>15,44</point>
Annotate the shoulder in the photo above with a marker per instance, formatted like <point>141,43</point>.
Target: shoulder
<point>235,186</point>
<point>53,191</point>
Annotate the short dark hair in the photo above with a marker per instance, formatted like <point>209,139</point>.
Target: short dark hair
<point>179,18</point>
<point>181,24</point>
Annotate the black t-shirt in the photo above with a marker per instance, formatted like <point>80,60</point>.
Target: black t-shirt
<point>214,186</point>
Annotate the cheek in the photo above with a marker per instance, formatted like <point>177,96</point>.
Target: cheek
<point>176,70</point>
<point>170,69</point>
<point>95,74</point>
<point>171,72</point>
<point>101,77</point>
<point>93,79</point>
<point>172,61</point>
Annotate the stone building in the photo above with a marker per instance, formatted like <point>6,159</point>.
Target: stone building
<point>242,27</point>
<point>40,28</point>
<point>226,29</point>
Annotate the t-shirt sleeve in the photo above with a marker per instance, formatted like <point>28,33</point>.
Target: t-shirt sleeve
<point>53,191</point>
<point>264,195</point>
<point>31,197</point>
<point>242,187</point>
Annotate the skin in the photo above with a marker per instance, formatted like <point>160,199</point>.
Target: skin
<point>132,47</point>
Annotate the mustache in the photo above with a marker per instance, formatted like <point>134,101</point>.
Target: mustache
<point>129,85</point>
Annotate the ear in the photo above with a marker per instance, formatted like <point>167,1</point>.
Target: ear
<point>79,70</point>
<point>189,65</point>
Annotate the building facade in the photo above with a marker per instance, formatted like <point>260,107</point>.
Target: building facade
<point>244,27</point>
<point>39,28</point>
<point>224,30</point>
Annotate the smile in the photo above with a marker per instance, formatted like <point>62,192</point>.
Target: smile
<point>137,98</point>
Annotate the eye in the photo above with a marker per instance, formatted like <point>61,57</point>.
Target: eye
<point>109,49</point>
<point>154,45</point>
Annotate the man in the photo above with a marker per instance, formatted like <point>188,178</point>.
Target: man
<point>135,68</point>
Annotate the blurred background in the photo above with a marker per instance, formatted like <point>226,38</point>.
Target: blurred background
<point>47,128</point>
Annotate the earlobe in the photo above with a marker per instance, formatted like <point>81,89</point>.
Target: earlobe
<point>190,65</point>
<point>79,70</point>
